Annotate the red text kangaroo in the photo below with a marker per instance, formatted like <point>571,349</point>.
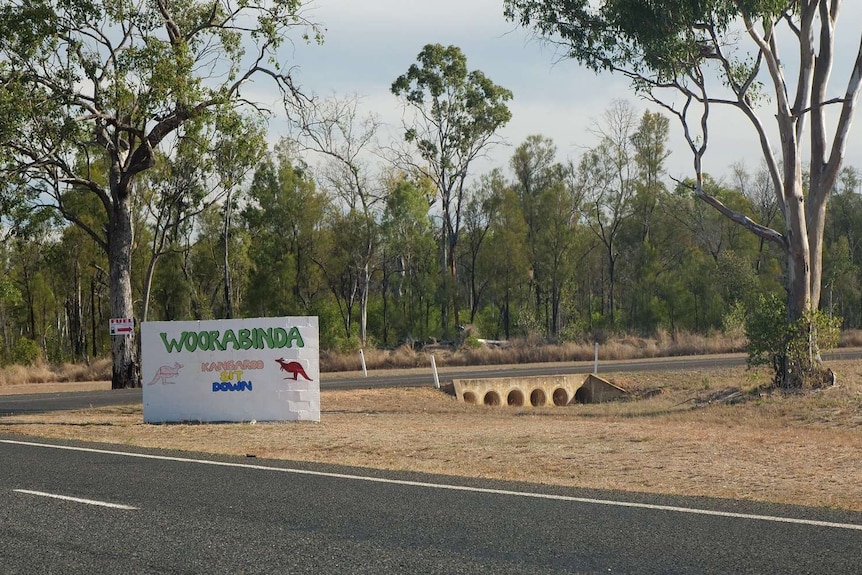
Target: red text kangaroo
<point>292,367</point>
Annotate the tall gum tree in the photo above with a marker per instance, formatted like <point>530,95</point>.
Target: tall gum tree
<point>457,115</point>
<point>690,56</point>
<point>113,80</point>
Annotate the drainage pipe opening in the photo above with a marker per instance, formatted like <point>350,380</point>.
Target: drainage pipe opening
<point>492,398</point>
<point>538,398</point>
<point>561,397</point>
<point>515,398</point>
<point>470,397</point>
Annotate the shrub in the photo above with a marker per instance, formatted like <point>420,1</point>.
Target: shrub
<point>792,349</point>
<point>24,352</point>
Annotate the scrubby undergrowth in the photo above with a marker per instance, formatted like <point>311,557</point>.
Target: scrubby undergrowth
<point>468,352</point>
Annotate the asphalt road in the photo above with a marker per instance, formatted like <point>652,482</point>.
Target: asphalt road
<point>176,513</point>
<point>47,402</point>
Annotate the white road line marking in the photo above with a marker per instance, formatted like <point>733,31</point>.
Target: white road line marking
<point>77,499</point>
<point>444,486</point>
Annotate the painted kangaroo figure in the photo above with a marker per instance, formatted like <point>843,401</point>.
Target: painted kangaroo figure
<point>292,367</point>
<point>165,373</point>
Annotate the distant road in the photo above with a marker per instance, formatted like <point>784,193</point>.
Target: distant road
<point>47,402</point>
<point>87,508</point>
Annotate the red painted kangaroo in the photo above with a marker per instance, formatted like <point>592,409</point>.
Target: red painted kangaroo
<point>292,367</point>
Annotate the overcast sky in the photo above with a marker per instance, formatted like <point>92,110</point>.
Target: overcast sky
<point>368,43</point>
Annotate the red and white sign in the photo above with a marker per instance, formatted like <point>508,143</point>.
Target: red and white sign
<point>122,325</point>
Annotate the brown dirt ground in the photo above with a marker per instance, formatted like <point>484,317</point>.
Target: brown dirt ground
<point>678,437</point>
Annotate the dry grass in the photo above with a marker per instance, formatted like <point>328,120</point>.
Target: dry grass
<point>15,375</point>
<point>520,351</point>
<point>801,448</point>
<point>662,344</point>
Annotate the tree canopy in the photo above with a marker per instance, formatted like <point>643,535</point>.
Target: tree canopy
<point>92,91</point>
<point>689,56</point>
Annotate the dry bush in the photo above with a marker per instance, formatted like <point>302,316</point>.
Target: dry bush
<point>686,343</point>
<point>97,370</point>
<point>517,351</point>
<point>851,338</point>
<point>18,374</point>
<point>336,361</point>
<point>532,350</point>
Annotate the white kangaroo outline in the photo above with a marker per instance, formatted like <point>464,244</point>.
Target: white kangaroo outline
<point>167,372</point>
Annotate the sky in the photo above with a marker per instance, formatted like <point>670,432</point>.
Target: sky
<point>369,43</point>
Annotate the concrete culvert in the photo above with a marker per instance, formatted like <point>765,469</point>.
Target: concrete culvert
<point>561,397</point>
<point>492,398</point>
<point>515,398</point>
<point>538,398</point>
<point>470,397</point>
<point>583,395</point>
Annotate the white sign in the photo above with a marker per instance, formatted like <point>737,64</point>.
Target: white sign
<point>261,369</point>
<point>122,325</point>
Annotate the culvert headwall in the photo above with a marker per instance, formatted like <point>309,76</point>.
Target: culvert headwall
<point>537,391</point>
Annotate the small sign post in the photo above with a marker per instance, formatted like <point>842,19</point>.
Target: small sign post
<point>122,325</point>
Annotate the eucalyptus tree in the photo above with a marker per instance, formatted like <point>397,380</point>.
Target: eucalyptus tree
<point>556,259</point>
<point>607,177</point>
<point>692,56</point>
<point>507,261</point>
<point>551,204</point>
<point>757,187</point>
<point>283,218</point>
<point>485,198</point>
<point>203,264</point>
<point>457,115</point>
<point>843,258</point>
<point>649,143</point>
<point>173,192</point>
<point>10,297</point>
<point>408,245</point>
<point>335,129</point>
<point>85,80</point>
<point>641,259</point>
<point>532,166</point>
<point>239,145</point>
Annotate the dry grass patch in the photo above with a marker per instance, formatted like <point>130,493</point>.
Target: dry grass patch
<point>801,449</point>
<point>17,375</point>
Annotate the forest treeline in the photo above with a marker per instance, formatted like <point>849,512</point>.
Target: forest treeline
<point>544,247</point>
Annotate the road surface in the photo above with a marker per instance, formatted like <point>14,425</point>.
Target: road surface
<point>110,510</point>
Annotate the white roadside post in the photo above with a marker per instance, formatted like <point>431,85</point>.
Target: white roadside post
<point>362,361</point>
<point>434,370</point>
<point>596,358</point>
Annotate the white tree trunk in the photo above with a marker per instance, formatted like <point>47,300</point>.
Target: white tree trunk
<point>124,352</point>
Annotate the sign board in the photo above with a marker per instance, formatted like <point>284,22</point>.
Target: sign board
<point>261,369</point>
<point>122,325</point>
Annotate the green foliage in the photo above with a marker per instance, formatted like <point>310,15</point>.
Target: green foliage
<point>733,321</point>
<point>665,38</point>
<point>456,116</point>
<point>464,107</point>
<point>792,349</point>
<point>283,219</point>
<point>23,352</point>
<point>10,295</point>
<point>767,330</point>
